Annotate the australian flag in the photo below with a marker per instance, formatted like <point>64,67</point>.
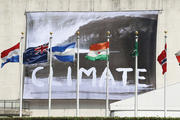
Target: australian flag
<point>162,59</point>
<point>34,55</point>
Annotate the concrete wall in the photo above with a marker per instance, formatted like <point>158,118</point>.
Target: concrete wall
<point>67,107</point>
<point>13,22</point>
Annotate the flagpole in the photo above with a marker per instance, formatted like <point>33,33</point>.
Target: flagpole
<point>107,78</point>
<point>165,109</point>
<point>21,74</point>
<point>77,83</point>
<point>165,82</point>
<point>136,79</point>
<point>50,74</point>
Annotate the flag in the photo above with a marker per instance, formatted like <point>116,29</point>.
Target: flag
<point>135,51</point>
<point>98,51</point>
<point>162,59</point>
<point>64,53</point>
<point>34,55</point>
<point>178,56</point>
<point>10,55</point>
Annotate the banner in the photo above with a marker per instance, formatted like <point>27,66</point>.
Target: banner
<point>93,27</point>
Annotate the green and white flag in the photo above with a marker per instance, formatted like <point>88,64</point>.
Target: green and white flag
<point>98,51</point>
<point>135,51</point>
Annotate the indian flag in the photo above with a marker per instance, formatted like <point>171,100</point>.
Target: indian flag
<point>98,51</point>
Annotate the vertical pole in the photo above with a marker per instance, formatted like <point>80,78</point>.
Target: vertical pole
<point>136,79</point>
<point>107,77</point>
<point>77,83</point>
<point>21,74</point>
<point>165,83</point>
<point>50,73</point>
<point>165,109</point>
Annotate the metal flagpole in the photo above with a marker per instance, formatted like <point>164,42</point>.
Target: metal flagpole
<point>165,84</point>
<point>136,79</point>
<point>50,73</point>
<point>77,83</point>
<point>107,78</point>
<point>165,109</point>
<point>21,74</point>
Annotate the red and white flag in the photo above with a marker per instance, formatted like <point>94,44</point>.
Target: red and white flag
<point>178,56</point>
<point>162,59</point>
<point>10,55</point>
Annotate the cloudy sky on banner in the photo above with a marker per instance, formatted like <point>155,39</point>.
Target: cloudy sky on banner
<point>64,24</point>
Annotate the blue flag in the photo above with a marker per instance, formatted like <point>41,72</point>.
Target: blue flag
<point>64,53</point>
<point>34,55</point>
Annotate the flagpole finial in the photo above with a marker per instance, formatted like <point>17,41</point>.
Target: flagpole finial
<point>165,31</point>
<point>108,33</point>
<point>136,32</point>
<point>77,33</point>
<point>51,33</point>
<point>22,33</point>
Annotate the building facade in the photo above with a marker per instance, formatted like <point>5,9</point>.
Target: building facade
<point>13,22</point>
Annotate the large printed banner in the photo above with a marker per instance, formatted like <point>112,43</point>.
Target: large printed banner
<point>93,27</point>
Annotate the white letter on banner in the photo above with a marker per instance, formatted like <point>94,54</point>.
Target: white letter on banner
<point>34,80</point>
<point>55,82</point>
<point>103,77</point>
<point>69,79</point>
<point>141,77</point>
<point>124,75</point>
<point>88,72</point>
